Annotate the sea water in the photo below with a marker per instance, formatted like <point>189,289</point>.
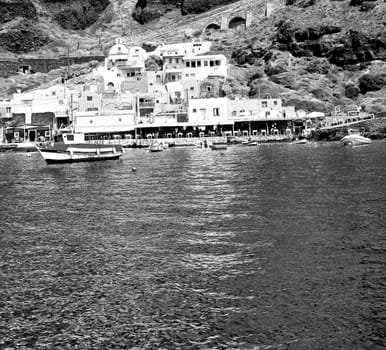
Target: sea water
<point>278,246</point>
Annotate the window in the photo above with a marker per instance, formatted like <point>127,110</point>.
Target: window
<point>193,64</point>
<point>234,113</point>
<point>8,110</point>
<point>216,112</point>
<point>89,98</point>
<point>53,93</point>
<point>218,63</point>
<point>70,137</point>
<point>275,103</point>
<point>118,74</point>
<point>206,63</point>
<point>191,88</point>
<point>192,75</point>
<point>186,75</point>
<point>211,63</point>
<point>198,63</point>
<point>264,104</point>
<point>187,64</point>
<point>267,113</point>
<point>194,110</point>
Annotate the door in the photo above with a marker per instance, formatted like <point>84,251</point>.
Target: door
<point>32,135</point>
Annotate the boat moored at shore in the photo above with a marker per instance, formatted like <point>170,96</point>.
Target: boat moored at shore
<point>355,140</point>
<point>71,147</point>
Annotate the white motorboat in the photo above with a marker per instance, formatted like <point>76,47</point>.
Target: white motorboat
<point>249,143</point>
<point>156,147</point>
<point>355,140</point>
<point>300,141</point>
<point>71,147</point>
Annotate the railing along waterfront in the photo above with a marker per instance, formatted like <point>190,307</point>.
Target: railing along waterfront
<point>196,141</point>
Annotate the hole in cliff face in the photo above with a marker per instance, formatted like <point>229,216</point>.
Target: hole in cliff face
<point>237,23</point>
<point>212,26</point>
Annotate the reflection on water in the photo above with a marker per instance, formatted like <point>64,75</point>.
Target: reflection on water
<point>274,246</point>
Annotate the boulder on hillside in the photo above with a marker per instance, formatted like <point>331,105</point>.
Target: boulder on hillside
<point>279,62</point>
<point>286,79</point>
<point>351,91</point>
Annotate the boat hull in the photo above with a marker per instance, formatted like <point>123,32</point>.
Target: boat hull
<point>79,154</point>
<point>355,140</point>
<point>218,147</point>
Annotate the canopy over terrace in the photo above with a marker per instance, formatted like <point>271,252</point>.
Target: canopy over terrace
<point>39,129</point>
<point>176,129</point>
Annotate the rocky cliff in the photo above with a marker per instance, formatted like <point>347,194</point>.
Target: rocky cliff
<point>22,22</point>
<point>148,10</point>
<point>315,54</point>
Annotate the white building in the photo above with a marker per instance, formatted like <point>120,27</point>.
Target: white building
<point>208,111</point>
<point>197,68</point>
<point>203,67</point>
<point>170,52</point>
<point>123,67</point>
<point>120,121</point>
<point>259,109</point>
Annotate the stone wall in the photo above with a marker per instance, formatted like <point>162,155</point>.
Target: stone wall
<point>11,66</point>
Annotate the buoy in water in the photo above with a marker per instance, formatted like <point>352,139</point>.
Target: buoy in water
<point>133,169</point>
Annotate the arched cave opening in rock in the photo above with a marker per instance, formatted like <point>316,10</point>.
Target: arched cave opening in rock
<point>237,23</point>
<point>212,26</point>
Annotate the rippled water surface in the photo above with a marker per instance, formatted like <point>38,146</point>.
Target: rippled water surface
<point>272,247</point>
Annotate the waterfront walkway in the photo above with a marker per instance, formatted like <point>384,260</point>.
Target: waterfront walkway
<point>198,141</point>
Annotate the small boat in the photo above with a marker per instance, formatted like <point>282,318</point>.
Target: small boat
<point>156,147</point>
<point>69,147</point>
<point>218,146</point>
<point>249,143</point>
<point>300,141</point>
<point>355,140</point>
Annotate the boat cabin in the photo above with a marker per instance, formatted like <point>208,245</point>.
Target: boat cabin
<point>69,138</point>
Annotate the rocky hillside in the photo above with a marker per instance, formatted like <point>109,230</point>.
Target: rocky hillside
<point>315,54</point>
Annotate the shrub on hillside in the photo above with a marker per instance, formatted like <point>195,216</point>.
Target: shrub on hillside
<point>372,82</point>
